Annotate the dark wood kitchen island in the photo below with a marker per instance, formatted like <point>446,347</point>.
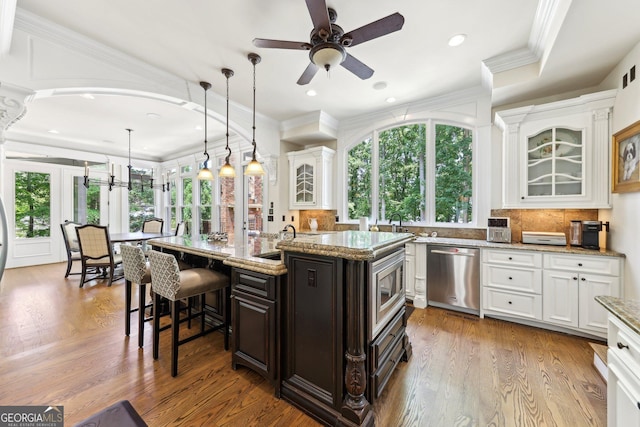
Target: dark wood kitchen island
<point>344,322</point>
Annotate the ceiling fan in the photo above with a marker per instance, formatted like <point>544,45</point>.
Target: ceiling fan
<point>328,41</point>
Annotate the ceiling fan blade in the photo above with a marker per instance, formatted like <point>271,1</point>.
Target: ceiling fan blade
<point>308,74</point>
<point>376,29</point>
<point>281,44</point>
<point>319,14</point>
<point>357,67</point>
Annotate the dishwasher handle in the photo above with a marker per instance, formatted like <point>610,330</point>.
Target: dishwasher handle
<point>439,251</point>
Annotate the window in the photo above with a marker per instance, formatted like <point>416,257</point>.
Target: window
<point>86,202</point>
<point>187,202</point>
<point>395,171</point>
<point>33,209</point>
<point>141,199</point>
<point>206,196</point>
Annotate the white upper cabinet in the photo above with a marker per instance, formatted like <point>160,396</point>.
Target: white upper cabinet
<point>311,178</point>
<point>557,155</point>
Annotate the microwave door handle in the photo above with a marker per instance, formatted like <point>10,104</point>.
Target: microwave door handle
<point>437,251</point>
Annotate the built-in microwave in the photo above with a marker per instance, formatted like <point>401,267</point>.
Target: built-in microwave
<point>386,290</point>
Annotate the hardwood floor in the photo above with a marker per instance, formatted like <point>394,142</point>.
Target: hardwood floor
<point>62,345</point>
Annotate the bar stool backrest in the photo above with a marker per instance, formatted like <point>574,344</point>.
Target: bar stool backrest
<point>165,274</point>
<point>153,225</point>
<point>134,263</point>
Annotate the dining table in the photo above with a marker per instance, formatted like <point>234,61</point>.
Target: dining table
<point>136,236</point>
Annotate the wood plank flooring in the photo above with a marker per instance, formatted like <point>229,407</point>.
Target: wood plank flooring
<point>62,345</point>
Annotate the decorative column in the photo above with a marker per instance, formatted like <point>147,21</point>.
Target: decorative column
<point>355,407</point>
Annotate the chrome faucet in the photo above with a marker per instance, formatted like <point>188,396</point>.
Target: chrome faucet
<point>393,226</point>
<point>286,227</point>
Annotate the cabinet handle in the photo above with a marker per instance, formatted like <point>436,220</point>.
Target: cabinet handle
<point>510,278</point>
<point>583,279</point>
<point>510,258</point>
<point>575,278</point>
<point>392,335</point>
<point>579,264</point>
<point>621,346</point>
<point>510,302</point>
<point>638,405</point>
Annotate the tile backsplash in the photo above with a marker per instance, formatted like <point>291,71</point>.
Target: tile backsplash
<point>555,220</point>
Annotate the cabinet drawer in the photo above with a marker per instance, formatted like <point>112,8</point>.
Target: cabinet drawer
<point>513,303</point>
<point>512,258</point>
<point>583,264</point>
<point>382,345</point>
<point>516,279</point>
<point>254,283</point>
<point>380,377</point>
<point>625,344</point>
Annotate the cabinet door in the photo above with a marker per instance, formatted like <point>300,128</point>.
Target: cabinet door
<point>593,316</point>
<point>254,333</point>
<point>623,395</point>
<point>560,298</point>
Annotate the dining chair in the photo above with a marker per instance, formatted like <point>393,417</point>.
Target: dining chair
<point>136,270</point>
<point>181,228</point>
<point>171,283</point>
<point>71,244</point>
<point>153,225</point>
<point>96,252</point>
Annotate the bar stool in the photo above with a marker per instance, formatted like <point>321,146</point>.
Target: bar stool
<point>136,270</point>
<point>171,283</point>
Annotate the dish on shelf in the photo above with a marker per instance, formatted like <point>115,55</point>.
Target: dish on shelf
<point>543,148</point>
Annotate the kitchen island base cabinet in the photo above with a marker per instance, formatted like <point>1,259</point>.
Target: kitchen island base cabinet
<point>256,323</point>
<point>331,369</point>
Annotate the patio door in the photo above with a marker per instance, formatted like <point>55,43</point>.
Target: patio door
<point>33,205</point>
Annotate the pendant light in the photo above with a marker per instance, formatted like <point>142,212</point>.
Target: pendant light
<point>205,173</point>
<point>227,171</point>
<point>254,168</point>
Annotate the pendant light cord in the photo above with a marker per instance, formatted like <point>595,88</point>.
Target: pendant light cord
<point>228,74</point>
<point>206,162</point>
<point>253,61</point>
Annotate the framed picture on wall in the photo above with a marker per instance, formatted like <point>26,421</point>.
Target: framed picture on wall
<point>625,159</point>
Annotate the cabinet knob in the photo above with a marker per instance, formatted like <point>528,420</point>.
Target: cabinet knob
<point>510,258</point>
<point>574,278</point>
<point>579,264</point>
<point>510,278</point>
<point>510,302</point>
<point>621,346</point>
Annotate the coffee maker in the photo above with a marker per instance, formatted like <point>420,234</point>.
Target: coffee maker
<point>591,233</point>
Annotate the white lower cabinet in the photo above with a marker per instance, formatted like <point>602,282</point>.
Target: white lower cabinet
<point>550,288</point>
<point>415,273</point>
<point>623,385</point>
<point>512,283</point>
<point>570,285</point>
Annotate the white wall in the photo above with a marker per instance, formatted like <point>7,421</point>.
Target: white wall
<point>623,217</point>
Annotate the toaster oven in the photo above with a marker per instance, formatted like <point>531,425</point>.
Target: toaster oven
<point>498,230</point>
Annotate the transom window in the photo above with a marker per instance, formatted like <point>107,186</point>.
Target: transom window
<point>418,172</point>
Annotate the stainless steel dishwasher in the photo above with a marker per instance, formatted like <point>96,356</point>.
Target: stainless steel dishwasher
<point>453,277</point>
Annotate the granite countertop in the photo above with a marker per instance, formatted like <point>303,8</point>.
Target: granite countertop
<point>628,311</point>
<point>517,246</point>
<point>354,245</point>
<point>247,252</point>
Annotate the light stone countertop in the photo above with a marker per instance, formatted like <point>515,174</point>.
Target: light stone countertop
<point>517,246</point>
<point>628,311</point>
<point>351,244</point>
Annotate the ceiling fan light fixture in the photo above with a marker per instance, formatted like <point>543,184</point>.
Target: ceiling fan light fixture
<point>205,173</point>
<point>327,55</point>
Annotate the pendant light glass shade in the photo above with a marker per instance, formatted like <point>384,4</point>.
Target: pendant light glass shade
<point>227,171</point>
<point>254,168</point>
<point>205,173</point>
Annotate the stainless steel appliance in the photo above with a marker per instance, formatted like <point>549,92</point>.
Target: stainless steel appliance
<point>498,230</point>
<point>453,277</point>
<point>387,292</point>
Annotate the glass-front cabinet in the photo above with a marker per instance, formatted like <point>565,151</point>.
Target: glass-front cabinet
<point>311,178</point>
<point>557,155</point>
<point>555,163</point>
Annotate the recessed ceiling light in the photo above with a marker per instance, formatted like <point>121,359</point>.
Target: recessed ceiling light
<point>53,131</point>
<point>153,115</point>
<point>390,100</point>
<point>87,96</point>
<point>380,85</point>
<point>311,92</point>
<point>457,40</point>
<point>198,127</point>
